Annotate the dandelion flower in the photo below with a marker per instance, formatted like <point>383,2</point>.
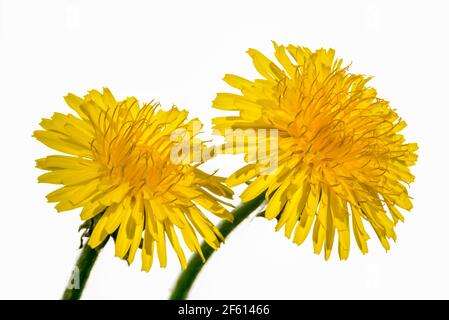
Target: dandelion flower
<point>118,169</point>
<point>341,158</point>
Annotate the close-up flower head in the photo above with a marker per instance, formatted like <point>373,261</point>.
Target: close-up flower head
<point>118,166</point>
<point>342,162</point>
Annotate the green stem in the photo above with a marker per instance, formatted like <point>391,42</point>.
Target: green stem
<point>188,276</point>
<point>81,272</point>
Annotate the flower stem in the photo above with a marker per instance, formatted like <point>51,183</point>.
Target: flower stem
<point>81,272</point>
<point>188,276</point>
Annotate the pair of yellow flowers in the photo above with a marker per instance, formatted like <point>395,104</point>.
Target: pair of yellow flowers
<point>339,157</point>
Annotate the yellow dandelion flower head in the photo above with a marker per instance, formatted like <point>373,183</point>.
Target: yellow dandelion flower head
<point>120,169</point>
<point>340,154</point>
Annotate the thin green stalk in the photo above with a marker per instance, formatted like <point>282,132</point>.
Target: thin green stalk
<point>188,276</point>
<point>81,272</point>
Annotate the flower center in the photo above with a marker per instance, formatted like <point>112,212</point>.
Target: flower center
<point>133,150</point>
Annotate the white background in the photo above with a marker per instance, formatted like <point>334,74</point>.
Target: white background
<point>178,52</point>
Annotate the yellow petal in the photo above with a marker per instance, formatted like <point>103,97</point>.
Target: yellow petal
<point>171,234</point>
<point>160,243</point>
<point>265,67</point>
